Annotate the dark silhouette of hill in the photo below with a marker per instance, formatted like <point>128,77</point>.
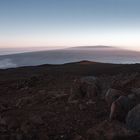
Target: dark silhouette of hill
<point>84,67</point>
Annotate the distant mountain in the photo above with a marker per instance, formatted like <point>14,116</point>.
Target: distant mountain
<point>93,47</point>
<point>104,54</point>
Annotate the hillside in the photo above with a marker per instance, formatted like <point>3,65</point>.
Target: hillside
<point>65,102</point>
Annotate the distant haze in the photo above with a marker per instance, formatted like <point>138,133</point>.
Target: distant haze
<point>92,53</point>
<point>15,50</point>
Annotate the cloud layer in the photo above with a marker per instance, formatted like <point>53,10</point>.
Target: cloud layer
<point>7,63</point>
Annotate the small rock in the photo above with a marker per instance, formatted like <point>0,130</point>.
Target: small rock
<point>78,137</point>
<point>67,108</point>
<point>2,121</point>
<point>82,107</point>
<point>90,102</point>
<point>19,136</point>
<point>36,119</point>
<point>43,136</point>
<point>13,125</point>
<point>4,107</point>
<point>26,127</point>
<point>24,101</point>
<point>10,122</point>
<point>42,92</point>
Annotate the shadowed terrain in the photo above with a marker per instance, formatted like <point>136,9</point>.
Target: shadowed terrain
<point>65,102</point>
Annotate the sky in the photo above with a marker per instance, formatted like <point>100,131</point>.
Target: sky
<point>64,23</point>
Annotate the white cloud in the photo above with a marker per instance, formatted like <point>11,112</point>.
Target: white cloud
<point>7,63</point>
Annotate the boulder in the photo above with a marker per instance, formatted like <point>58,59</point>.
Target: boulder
<point>120,108</point>
<point>132,96</point>
<point>136,94</point>
<point>111,95</point>
<point>133,118</point>
<point>89,86</point>
<point>84,88</point>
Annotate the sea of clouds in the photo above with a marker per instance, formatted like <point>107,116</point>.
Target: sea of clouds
<point>101,54</point>
<point>7,63</point>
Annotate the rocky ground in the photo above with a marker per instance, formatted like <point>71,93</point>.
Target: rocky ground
<point>76,101</point>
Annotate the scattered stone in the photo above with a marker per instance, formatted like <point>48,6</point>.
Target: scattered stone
<point>2,121</point>
<point>4,137</point>
<point>61,96</point>
<point>19,136</point>
<point>36,119</point>
<point>13,125</point>
<point>82,106</point>
<point>90,102</point>
<point>24,101</point>
<point>110,131</point>
<point>3,107</point>
<point>26,88</point>
<point>78,137</point>
<point>27,127</point>
<point>67,108</point>
<point>42,92</point>
<point>3,129</point>
<point>43,136</point>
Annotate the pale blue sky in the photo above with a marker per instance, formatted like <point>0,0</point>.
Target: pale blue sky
<point>70,23</point>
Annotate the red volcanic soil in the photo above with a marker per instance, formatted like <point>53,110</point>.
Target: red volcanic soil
<point>34,102</point>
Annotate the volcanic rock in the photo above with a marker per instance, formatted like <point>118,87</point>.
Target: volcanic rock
<point>120,108</point>
<point>84,88</point>
<point>112,95</point>
<point>133,118</point>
